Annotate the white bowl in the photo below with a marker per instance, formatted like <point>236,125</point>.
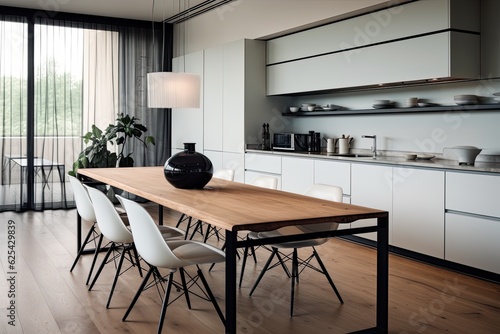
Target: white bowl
<point>311,108</point>
<point>294,109</point>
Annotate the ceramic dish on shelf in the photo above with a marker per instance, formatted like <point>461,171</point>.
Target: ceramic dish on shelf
<point>331,107</point>
<point>425,156</point>
<point>294,109</point>
<point>384,105</point>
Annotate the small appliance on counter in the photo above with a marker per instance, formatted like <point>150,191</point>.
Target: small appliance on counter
<point>314,144</point>
<point>291,141</point>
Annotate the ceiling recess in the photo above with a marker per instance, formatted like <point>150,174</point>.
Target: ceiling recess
<point>196,10</point>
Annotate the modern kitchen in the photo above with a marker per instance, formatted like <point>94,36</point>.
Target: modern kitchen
<point>396,103</point>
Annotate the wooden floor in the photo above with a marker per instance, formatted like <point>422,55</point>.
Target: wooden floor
<point>50,299</point>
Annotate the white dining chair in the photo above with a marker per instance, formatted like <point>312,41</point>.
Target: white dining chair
<point>173,255</point>
<point>85,209</point>
<point>322,191</point>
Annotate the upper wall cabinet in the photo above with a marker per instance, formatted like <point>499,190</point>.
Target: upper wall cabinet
<point>390,46</point>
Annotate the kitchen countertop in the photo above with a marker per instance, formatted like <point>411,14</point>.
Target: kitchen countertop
<point>438,163</point>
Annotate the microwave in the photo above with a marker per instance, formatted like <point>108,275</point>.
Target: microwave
<point>291,141</point>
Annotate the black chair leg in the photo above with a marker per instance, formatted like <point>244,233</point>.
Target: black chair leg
<point>243,264</point>
<point>325,272</point>
<point>94,260</point>
<point>165,302</point>
<point>139,291</point>
<point>108,253</point>
<point>137,260</point>
<point>275,251</point>
<point>282,263</point>
<point>85,242</point>
<point>184,287</point>
<point>295,277</point>
<point>211,296</point>
<point>120,263</point>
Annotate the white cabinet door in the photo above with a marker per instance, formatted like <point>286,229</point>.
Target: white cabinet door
<point>473,193</point>
<point>233,122</point>
<point>297,174</point>
<point>473,241</point>
<point>371,186</point>
<point>236,162</point>
<point>418,211</point>
<point>187,123</point>
<point>213,90</point>
<point>333,173</point>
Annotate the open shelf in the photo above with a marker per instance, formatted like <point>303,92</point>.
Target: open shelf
<point>469,108</point>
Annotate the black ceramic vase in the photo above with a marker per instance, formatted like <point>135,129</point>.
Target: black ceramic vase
<point>188,169</point>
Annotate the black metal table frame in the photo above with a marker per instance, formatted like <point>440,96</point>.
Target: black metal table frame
<point>382,288</point>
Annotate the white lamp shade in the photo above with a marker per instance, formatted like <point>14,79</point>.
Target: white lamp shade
<point>173,90</point>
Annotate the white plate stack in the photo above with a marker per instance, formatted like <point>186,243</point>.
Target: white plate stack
<point>466,100</point>
<point>381,104</point>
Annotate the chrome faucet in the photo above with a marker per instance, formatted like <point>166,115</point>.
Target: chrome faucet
<point>374,147</point>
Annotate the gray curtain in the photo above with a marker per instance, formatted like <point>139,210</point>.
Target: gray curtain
<point>142,51</point>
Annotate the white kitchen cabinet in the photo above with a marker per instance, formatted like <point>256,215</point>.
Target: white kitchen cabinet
<point>297,174</point>
<point>235,104</point>
<point>377,27</point>
<point>236,162</point>
<point>371,186</point>
<point>473,193</point>
<point>268,163</point>
<point>228,160</point>
<point>213,90</point>
<point>445,55</point>
<point>473,241</point>
<point>333,173</point>
<point>418,211</point>
<point>473,220</point>
<point>187,123</point>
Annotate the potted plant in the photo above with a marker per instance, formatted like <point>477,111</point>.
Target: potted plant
<point>97,154</point>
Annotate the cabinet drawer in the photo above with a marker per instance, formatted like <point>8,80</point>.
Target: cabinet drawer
<point>473,193</point>
<point>263,163</point>
<point>473,241</point>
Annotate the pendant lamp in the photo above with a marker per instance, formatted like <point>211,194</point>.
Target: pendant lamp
<point>173,89</point>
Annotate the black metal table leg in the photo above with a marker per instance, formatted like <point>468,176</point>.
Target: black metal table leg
<point>382,275</point>
<point>231,312</point>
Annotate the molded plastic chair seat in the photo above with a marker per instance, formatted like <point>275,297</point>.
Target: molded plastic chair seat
<point>321,191</point>
<point>171,254</point>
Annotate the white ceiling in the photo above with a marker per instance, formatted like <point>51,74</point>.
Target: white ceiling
<point>130,9</point>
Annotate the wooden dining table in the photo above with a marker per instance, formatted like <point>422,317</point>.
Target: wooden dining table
<point>235,207</point>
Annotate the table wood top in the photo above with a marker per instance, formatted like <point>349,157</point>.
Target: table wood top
<point>231,205</point>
